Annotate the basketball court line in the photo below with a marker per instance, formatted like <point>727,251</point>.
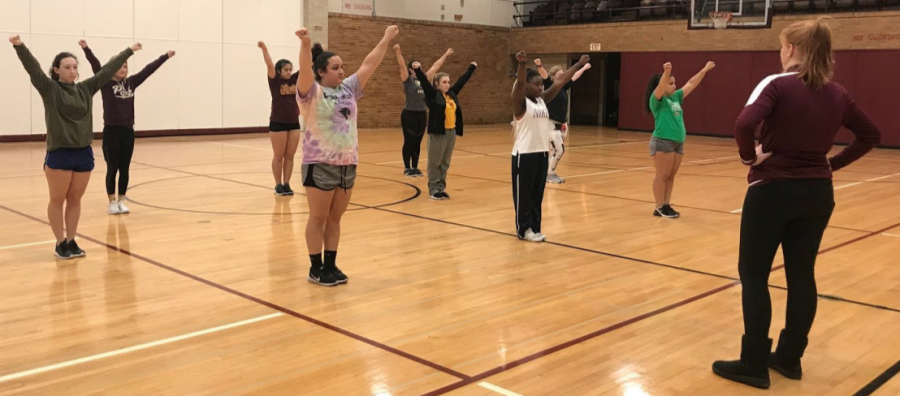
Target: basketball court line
<point>26,244</point>
<point>495,388</point>
<point>117,352</point>
<point>890,235</point>
<point>465,379</point>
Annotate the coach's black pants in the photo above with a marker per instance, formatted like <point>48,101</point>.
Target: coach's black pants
<point>118,147</point>
<point>529,176</point>
<point>413,124</point>
<point>793,214</point>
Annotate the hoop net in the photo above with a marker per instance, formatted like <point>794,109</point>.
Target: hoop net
<point>720,19</point>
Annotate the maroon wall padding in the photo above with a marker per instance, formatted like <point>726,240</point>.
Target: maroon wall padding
<point>713,107</point>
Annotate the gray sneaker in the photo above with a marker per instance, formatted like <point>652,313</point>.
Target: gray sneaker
<point>554,178</point>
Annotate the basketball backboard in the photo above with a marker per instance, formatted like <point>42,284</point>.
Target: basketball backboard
<point>746,14</point>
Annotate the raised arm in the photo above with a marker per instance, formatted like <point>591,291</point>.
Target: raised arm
<point>438,64</point>
<point>663,81</point>
<point>110,68</point>
<point>518,92</point>
<point>540,68</point>
<point>148,70</point>
<point>404,72</point>
<point>865,132</point>
<point>40,80</point>
<point>427,87</point>
<point>95,63</point>
<point>560,82</point>
<point>695,81</point>
<point>376,56</point>
<point>581,71</point>
<point>270,66</point>
<point>306,78</point>
<point>461,82</point>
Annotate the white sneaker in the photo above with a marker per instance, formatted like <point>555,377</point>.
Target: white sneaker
<point>122,208</point>
<point>113,208</point>
<point>555,179</point>
<point>530,236</point>
<point>541,235</point>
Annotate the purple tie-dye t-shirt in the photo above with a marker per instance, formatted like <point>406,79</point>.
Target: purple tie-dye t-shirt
<point>330,116</point>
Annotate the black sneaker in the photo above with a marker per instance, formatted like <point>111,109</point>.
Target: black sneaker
<point>75,250</point>
<point>408,173</point>
<point>673,211</point>
<point>321,276</point>
<point>437,196</point>
<point>444,195</point>
<point>62,250</point>
<point>287,189</point>
<point>664,212</point>
<point>339,276</point>
<point>279,190</point>
<point>418,173</point>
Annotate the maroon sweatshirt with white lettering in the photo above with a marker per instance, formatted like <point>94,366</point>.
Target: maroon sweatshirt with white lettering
<point>118,96</point>
<point>799,127</point>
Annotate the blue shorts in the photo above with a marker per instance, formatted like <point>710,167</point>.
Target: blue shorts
<point>69,159</point>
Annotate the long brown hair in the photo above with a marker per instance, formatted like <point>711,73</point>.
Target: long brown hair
<point>813,40</point>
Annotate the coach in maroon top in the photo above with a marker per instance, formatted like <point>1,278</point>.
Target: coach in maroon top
<point>118,124</point>
<point>790,198</point>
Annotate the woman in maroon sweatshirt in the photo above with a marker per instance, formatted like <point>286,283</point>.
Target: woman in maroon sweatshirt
<point>118,124</point>
<point>790,198</point>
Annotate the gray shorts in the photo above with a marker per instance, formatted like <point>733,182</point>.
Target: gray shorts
<point>328,177</point>
<point>665,146</point>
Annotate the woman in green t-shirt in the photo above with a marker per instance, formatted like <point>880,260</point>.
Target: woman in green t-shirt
<point>664,101</point>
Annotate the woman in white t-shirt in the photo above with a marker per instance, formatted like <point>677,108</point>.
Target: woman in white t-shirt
<point>530,153</point>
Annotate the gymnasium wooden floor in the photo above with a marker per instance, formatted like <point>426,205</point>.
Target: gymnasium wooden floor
<point>202,289</point>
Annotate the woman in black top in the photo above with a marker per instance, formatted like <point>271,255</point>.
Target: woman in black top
<point>444,123</point>
<point>559,114</point>
<point>414,117</point>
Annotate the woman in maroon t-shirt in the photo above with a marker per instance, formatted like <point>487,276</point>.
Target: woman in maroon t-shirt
<point>284,124</point>
<point>790,198</point>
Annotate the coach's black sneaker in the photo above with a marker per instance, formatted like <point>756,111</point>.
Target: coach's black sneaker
<point>417,173</point>
<point>752,369</point>
<point>408,173</point>
<point>321,276</point>
<point>75,250</point>
<point>279,189</point>
<point>671,210</point>
<point>62,250</point>
<point>287,189</point>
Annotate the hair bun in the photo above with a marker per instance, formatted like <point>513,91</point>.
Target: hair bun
<point>317,50</point>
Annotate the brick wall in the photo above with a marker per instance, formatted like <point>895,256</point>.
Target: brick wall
<point>485,100</point>
<point>879,30</point>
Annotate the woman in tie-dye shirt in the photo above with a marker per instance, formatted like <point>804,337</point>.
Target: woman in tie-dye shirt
<point>328,104</point>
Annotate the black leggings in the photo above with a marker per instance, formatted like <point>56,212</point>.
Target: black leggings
<point>118,147</point>
<point>793,214</point>
<point>414,124</point>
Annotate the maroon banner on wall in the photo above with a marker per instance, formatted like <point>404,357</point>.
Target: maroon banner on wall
<point>715,105</point>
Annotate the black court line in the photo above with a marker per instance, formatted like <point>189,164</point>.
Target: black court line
<point>558,188</point>
<point>879,381</point>
<point>192,174</point>
<point>417,193</point>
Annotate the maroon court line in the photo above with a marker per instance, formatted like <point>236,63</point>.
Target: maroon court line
<point>576,341</point>
<point>537,355</point>
<point>260,301</point>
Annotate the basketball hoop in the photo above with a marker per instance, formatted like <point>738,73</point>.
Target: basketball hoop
<point>720,19</point>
